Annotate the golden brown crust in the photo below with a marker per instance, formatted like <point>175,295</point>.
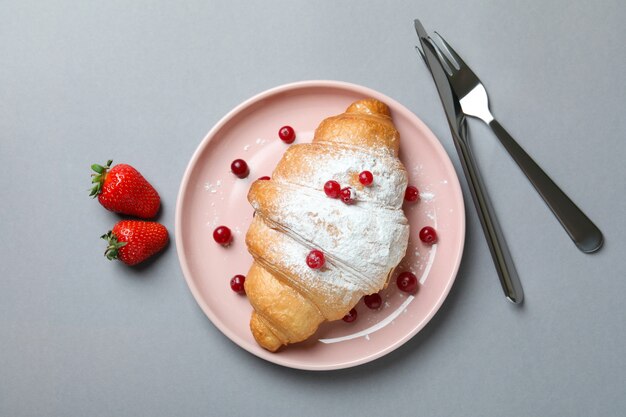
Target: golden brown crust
<point>366,123</point>
<point>289,316</point>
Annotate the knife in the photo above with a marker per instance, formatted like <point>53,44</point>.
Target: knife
<point>509,279</point>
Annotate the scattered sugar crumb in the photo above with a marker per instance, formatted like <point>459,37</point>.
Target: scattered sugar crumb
<point>431,216</point>
<point>427,196</point>
<point>245,148</point>
<point>367,337</point>
<point>212,188</point>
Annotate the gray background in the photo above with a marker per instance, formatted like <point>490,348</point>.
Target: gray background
<point>142,82</point>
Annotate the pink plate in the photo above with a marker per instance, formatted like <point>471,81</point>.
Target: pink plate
<point>210,196</point>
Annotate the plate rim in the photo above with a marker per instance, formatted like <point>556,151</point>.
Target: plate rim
<point>341,85</point>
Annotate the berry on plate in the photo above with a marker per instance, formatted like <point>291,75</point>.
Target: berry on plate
<point>134,241</point>
<point>373,301</point>
<point>237,284</point>
<point>351,316</point>
<point>407,282</point>
<point>222,235</point>
<point>428,235</point>
<point>122,189</point>
<point>411,194</point>
<point>239,167</point>
<point>287,134</point>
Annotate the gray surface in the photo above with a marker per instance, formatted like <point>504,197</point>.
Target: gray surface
<point>143,83</point>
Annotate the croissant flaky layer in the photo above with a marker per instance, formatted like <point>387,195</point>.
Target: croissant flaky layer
<point>362,242</point>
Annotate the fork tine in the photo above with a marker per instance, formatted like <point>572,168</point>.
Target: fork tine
<point>417,48</point>
<point>451,51</point>
<point>445,62</point>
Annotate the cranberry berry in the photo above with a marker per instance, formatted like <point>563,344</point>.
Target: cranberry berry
<point>428,235</point>
<point>373,301</point>
<point>350,317</point>
<point>332,189</point>
<point>239,167</point>
<point>407,282</point>
<point>411,193</point>
<point>366,178</point>
<point>264,178</point>
<point>315,259</point>
<point>222,235</point>
<point>237,284</point>
<point>287,134</point>
<point>347,195</point>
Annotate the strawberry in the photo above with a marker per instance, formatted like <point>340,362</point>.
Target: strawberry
<point>134,241</point>
<point>122,189</point>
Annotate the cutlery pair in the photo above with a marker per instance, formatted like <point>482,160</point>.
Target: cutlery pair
<point>462,94</point>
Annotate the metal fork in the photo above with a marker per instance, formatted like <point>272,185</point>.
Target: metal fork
<point>474,102</point>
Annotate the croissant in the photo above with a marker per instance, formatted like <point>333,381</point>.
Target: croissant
<point>362,242</point>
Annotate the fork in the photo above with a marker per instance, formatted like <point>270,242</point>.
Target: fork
<point>474,102</point>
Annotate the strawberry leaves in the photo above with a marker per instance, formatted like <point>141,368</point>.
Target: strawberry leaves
<point>98,178</point>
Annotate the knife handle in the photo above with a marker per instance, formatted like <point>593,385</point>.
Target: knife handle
<point>509,279</point>
<point>587,237</point>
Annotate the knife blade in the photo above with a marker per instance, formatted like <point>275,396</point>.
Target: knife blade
<point>503,261</point>
<point>451,107</point>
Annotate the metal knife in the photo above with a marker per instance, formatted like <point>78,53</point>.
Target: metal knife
<point>502,259</point>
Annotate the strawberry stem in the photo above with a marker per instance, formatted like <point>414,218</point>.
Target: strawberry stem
<point>112,250</point>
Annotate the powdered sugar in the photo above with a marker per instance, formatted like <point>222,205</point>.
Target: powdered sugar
<point>280,252</point>
<point>365,240</point>
<point>316,165</point>
<point>212,187</point>
<point>427,196</point>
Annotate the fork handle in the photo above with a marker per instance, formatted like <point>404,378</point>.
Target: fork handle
<point>509,279</point>
<point>580,229</point>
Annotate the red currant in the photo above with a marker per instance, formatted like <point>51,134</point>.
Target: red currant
<point>315,259</point>
<point>222,235</point>
<point>287,134</point>
<point>237,284</point>
<point>351,316</point>
<point>332,189</point>
<point>373,301</point>
<point>411,193</point>
<point>239,167</point>
<point>428,235</point>
<point>407,282</point>
<point>366,178</point>
<point>347,195</point>
<point>264,178</point>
